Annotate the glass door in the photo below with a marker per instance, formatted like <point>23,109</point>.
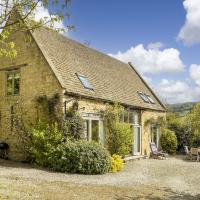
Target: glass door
<point>137,140</point>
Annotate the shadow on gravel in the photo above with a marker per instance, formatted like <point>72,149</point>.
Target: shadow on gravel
<point>169,195</point>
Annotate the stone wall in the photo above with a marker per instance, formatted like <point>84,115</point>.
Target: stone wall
<point>146,129</point>
<point>37,79</point>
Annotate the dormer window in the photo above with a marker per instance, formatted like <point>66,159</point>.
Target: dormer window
<point>13,82</point>
<point>85,82</point>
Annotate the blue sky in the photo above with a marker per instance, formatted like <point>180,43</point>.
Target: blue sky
<point>161,38</point>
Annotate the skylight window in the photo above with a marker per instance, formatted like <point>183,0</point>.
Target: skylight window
<point>146,98</point>
<point>150,99</point>
<point>84,81</point>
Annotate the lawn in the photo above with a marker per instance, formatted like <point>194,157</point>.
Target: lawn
<point>174,178</point>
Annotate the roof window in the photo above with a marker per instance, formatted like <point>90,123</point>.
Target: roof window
<point>146,98</point>
<point>84,81</point>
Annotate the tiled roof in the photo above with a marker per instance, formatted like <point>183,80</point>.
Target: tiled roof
<point>111,79</point>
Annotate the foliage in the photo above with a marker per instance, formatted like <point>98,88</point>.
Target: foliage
<point>159,122</point>
<point>81,157</point>
<point>120,139</point>
<point>73,125</point>
<point>24,19</point>
<point>168,141</point>
<point>119,136</point>
<point>182,128</point>
<point>49,109</point>
<point>45,139</point>
<point>117,163</point>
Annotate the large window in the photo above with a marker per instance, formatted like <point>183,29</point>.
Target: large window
<point>131,117</point>
<point>134,119</point>
<point>94,128</point>
<point>155,135</point>
<point>13,83</point>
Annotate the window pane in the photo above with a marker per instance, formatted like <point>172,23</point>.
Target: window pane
<point>137,117</point>
<point>87,136</point>
<point>13,83</point>
<point>95,130</point>
<point>16,83</point>
<point>126,117</point>
<point>131,117</point>
<point>144,97</point>
<point>85,82</point>
<point>9,84</point>
<point>150,99</point>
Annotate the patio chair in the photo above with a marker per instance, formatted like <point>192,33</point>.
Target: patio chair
<point>187,152</point>
<point>155,153</point>
<point>194,154</point>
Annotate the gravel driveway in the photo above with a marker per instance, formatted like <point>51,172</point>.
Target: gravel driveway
<point>174,178</point>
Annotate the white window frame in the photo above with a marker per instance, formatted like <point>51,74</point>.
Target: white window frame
<point>94,117</point>
<point>12,72</point>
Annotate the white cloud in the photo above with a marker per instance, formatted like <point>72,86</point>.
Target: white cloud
<point>172,91</point>
<point>152,60</point>
<point>190,32</point>
<point>156,45</point>
<point>195,73</point>
<point>43,13</point>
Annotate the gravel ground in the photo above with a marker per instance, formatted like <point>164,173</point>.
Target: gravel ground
<point>173,176</point>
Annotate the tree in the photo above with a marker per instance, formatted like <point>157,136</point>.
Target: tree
<point>28,19</point>
<point>182,128</point>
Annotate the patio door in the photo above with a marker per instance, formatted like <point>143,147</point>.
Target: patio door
<point>137,140</point>
<point>155,135</point>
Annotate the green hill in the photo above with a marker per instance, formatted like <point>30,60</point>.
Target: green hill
<point>181,108</point>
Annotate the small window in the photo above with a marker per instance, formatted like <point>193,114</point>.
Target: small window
<point>84,81</point>
<point>150,99</point>
<point>144,97</point>
<point>13,83</point>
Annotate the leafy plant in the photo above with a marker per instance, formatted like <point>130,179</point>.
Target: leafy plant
<point>73,124</point>
<point>182,128</point>
<point>117,163</point>
<point>81,157</point>
<point>168,141</point>
<point>45,139</point>
<point>119,136</point>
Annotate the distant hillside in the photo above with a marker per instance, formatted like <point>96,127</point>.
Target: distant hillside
<point>182,108</point>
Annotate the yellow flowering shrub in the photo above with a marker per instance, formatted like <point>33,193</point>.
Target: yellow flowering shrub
<point>117,163</point>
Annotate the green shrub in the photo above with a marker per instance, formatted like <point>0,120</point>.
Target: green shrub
<point>119,136</point>
<point>120,139</point>
<point>168,141</point>
<point>44,140</point>
<point>81,157</point>
<point>117,163</point>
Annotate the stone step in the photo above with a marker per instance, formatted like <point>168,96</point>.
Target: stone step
<point>139,157</point>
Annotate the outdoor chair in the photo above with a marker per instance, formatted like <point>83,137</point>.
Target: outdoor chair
<point>155,153</point>
<point>187,152</point>
<point>194,154</point>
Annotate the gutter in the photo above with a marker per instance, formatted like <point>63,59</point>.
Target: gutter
<point>110,101</point>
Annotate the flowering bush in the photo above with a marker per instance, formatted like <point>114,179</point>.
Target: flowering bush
<point>117,163</point>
